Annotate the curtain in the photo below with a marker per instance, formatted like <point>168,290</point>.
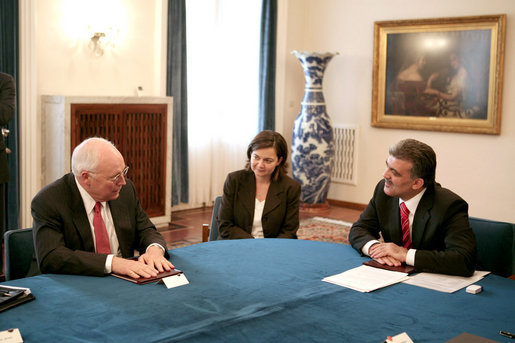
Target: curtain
<point>223,68</point>
<point>9,65</point>
<point>266,109</point>
<point>176,86</point>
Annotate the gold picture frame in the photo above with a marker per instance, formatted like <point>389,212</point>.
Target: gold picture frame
<point>441,74</point>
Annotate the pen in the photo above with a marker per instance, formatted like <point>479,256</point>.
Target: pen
<point>507,334</point>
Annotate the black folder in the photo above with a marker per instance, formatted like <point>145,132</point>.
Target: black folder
<point>14,296</point>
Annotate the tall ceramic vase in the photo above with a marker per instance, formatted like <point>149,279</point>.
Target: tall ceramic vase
<point>312,144</point>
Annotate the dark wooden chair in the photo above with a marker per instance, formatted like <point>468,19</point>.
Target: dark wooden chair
<point>210,232</point>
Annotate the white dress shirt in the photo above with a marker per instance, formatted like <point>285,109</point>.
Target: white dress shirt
<point>89,205</point>
<point>257,225</point>
<point>412,205</point>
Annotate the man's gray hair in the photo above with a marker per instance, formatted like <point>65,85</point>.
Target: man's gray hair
<point>421,156</point>
<point>84,158</point>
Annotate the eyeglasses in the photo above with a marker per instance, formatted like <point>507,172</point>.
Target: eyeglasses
<point>115,178</point>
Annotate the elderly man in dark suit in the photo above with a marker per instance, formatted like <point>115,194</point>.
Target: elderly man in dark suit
<point>89,221</point>
<point>433,234</point>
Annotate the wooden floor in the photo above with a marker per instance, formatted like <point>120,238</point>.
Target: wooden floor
<point>186,225</point>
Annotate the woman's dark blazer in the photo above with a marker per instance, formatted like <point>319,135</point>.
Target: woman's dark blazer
<point>280,215</point>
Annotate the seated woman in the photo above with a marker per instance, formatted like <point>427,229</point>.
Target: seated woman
<point>261,201</point>
<point>449,88</point>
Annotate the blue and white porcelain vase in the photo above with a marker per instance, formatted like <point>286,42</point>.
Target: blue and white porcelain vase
<point>312,144</point>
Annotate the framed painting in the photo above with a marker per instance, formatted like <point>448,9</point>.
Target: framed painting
<point>440,74</point>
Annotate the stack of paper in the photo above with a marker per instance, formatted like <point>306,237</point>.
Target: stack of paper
<point>444,283</point>
<point>366,279</point>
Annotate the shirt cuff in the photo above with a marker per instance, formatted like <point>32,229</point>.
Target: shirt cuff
<point>368,245</point>
<point>155,245</point>
<point>410,257</point>
<point>108,266</point>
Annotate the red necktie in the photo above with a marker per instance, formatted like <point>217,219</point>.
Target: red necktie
<point>406,239</point>
<point>100,231</point>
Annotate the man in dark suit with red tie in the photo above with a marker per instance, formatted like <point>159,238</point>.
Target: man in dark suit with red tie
<point>89,221</point>
<point>437,236</point>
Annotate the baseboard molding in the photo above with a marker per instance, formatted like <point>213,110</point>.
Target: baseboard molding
<point>340,203</point>
<point>347,204</point>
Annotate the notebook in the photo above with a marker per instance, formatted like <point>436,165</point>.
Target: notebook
<point>145,280</point>
<point>11,296</point>
<point>402,268</point>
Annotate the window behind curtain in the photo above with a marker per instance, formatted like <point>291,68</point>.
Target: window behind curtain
<point>223,61</point>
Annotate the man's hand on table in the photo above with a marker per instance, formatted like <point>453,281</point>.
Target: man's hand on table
<point>388,253</point>
<point>149,264</point>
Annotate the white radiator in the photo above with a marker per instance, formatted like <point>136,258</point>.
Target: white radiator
<point>345,163</point>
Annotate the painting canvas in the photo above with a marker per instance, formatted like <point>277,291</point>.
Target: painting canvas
<point>439,74</point>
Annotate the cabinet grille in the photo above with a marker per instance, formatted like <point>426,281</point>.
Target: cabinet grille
<point>139,132</point>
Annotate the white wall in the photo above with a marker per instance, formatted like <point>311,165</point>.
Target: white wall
<point>480,168</point>
<point>66,64</point>
<point>55,60</point>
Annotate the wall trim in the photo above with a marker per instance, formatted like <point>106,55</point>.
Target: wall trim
<point>340,203</point>
<point>347,204</point>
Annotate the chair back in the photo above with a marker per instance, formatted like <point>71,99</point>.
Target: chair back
<point>19,253</point>
<point>495,245</point>
<point>214,233</point>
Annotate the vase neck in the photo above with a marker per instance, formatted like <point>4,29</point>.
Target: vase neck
<point>312,83</point>
<point>314,68</point>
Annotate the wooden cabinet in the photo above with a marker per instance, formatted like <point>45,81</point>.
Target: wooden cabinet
<point>139,132</point>
<point>141,128</point>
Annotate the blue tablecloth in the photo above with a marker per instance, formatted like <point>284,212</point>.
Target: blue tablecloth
<point>267,290</point>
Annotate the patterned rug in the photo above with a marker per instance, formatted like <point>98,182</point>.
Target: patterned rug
<point>313,229</point>
<point>324,229</point>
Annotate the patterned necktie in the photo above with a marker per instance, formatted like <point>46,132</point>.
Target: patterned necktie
<point>406,239</point>
<point>101,237</point>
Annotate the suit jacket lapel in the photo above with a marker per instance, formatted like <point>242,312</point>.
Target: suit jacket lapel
<point>422,216</point>
<point>273,198</point>
<point>80,217</point>
<point>247,192</point>
<point>121,222</point>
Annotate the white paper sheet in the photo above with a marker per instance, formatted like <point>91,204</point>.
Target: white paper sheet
<point>366,279</point>
<point>400,338</point>
<point>11,336</point>
<point>444,283</point>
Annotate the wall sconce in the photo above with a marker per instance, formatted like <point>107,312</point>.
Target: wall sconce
<point>99,41</point>
<point>94,30</point>
<point>95,43</point>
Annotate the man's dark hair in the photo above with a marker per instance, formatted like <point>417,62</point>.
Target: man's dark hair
<point>270,139</point>
<point>421,156</point>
